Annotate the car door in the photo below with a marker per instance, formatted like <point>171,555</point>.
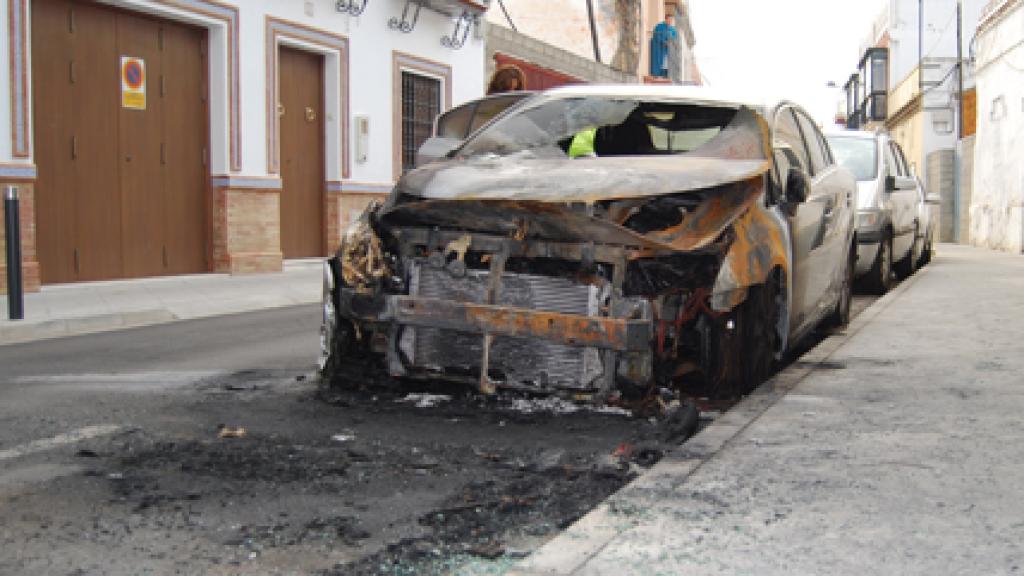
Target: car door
<point>904,198</point>
<point>806,220</point>
<point>834,189</point>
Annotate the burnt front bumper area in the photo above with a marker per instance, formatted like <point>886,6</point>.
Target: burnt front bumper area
<point>566,329</point>
<point>479,321</point>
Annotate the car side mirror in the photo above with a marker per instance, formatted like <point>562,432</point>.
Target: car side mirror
<point>890,183</point>
<point>798,186</point>
<point>933,198</point>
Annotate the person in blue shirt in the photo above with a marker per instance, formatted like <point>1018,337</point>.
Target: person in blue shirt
<point>663,38</point>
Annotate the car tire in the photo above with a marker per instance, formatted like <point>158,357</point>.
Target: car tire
<point>336,339</point>
<point>744,355</point>
<point>926,253</point>
<point>878,280</point>
<point>840,315</point>
<point>906,265</point>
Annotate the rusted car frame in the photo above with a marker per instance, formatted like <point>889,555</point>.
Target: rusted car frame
<point>616,275</point>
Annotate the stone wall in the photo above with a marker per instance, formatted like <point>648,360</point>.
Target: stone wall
<point>940,167</point>
<point>506,41</point>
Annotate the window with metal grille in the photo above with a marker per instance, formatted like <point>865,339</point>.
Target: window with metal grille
<point>421,103</point>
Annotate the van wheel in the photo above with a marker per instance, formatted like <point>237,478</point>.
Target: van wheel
<point>879,278</point>
<point>906,266</point>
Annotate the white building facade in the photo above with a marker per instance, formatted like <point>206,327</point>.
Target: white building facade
<point>152,137</point>
<point>997,203</point>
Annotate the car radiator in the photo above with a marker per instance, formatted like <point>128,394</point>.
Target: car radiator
<point>516,361</point>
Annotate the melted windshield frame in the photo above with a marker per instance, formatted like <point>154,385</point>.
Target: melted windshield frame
<point>624,125</point>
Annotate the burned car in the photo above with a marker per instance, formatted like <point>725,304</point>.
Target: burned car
<point>686,249</point>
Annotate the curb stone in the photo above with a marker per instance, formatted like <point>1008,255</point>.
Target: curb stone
<point>17,333</point>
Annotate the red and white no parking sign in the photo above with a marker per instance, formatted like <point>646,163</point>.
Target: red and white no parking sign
<point>133,83</point>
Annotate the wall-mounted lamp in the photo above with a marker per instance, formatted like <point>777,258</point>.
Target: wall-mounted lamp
<point>458,37</point>
<point>406,25</point>
<point>351,7</point>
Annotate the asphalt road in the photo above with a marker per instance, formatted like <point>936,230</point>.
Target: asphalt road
<point>205,447</point>
<point>121,453</point>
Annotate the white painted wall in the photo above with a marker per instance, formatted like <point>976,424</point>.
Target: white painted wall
<point>997,202</point>
<point>5,89</point>
<point>562,24</point>
<point>936,129</point>
<point>371,43</point>
<point>939,32</point>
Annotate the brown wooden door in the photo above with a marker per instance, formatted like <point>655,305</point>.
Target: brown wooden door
<point>52,134</point>
<point>95,95</point>
<point>185,203</point>
<point>300,86</point>
<point>142,188</point>
<point>121,192</point>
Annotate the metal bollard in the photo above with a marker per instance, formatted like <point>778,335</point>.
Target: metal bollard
<point>12,230</point>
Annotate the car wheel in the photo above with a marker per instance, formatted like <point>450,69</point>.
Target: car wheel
<point>745,343</point>
<point>335,343</point>
<point>840,315</point>
<point>906,265</point>
<point>879,278</point>
<point>926,253</point>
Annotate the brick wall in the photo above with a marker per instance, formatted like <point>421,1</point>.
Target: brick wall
<point>246,230</point>
<point>30,262</point>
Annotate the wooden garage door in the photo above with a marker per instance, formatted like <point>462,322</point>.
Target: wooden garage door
<point>301,89</point>
<point>121,191</point>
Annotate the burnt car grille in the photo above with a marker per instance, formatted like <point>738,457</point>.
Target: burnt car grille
<point>521,361</point>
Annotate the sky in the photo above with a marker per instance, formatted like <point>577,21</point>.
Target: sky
<point>784,48</point>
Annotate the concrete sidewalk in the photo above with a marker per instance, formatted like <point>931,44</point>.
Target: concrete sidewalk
<point>897,448</point>
<point>70,309</point>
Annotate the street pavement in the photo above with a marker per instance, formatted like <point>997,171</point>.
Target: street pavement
<point>894,448</point>
<point>87,307</point>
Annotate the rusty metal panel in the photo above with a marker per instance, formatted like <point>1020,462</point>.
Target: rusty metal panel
<point>572,329</point>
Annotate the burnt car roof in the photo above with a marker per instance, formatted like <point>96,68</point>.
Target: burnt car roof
<point>692,94</point>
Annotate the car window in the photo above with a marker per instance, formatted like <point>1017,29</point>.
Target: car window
<point>788,146</point>
<point>892,166</point>
<point>490,108</point>
<point>817,152</point>
<point>617,126</point>
<point>858,155</point>
<point>455,122</point>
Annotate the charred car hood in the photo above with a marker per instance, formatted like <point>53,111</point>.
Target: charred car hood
<point>554,198</point>
<point>566,181</point>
